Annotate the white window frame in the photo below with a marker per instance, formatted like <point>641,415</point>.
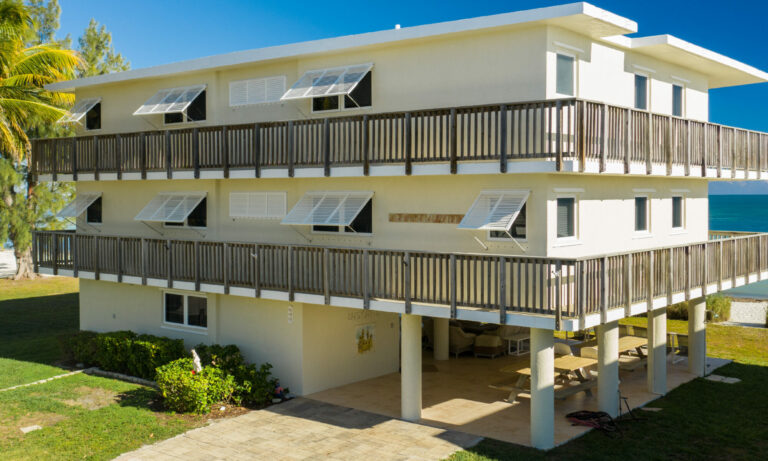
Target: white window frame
<point>647,231</point>
<point>341,105</point>
<point>283,78</point>
<point>648,85</point>
<point>683,98</point>
<point>572,239</point>
<point>185,224</point>
<point>683,212</point>
<point>186,324</point>
<point>575,57</point>
<point>185,121</point>
<point>281,194</point>
<point>342,232</point>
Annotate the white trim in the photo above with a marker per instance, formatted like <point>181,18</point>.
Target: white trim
<point>679,191</point>
<point>680,79</point>
<point>568,47</point>
<point>644,191</point>
<point>644,69</point>
<point>185,297</point>
<point>568,190</point>
<point>569,239</point>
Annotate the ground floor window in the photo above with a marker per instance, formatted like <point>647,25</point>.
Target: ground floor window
<point>186,310</point>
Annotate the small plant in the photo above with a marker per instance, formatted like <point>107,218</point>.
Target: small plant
<point>80,347</point>
<point>720,307</point>
<point>678,311</point>
<point>185,390</point>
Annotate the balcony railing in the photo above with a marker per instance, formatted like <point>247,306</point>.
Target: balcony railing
<point>563,288</point>
<point>555,130</point>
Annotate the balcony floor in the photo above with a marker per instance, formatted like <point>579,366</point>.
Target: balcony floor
<point>456,396</point>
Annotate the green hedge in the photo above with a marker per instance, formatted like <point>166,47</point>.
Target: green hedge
<point>184,390</point>
<point>124,351</point>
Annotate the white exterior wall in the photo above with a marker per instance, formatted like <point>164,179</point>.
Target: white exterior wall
<point>606,73</point>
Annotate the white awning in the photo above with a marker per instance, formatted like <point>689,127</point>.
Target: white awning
<point>172,207</point>
<point>77,206</point>
<point>78,112</point>
<point>327,208</point>
<point>495,210</point>
<point>327,82</point>
<point>170,100</point>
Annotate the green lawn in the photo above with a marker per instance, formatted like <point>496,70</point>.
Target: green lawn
<point>83,417</point>
<point>699,420</point>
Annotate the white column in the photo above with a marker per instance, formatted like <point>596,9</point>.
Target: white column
<point>410,367</point>
<point>657,351</point>
<point>697,337</point>
<point>542,388</point>
<point>608,368</point>
<point>441,338</point>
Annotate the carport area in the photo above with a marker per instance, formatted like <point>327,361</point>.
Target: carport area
<point>460,393</point>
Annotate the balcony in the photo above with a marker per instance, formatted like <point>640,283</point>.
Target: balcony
<point>569,135</point>
<point>563,294</point>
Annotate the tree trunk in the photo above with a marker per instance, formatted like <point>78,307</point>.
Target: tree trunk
<point>25,268</point>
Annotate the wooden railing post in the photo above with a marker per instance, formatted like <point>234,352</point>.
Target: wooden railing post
<point>75,268</point>
<point>96,268</point>
<point>650,278</point>
<point>670,145</point>
<point>143,261</point>
<point>503,138</point>
<point>719,151</point>
<point>119,243</point>
<point>628,284</point>
<point>627,140</point>
<point>326,276</point>
<point>365,147</point>
<point>326,147</point>
<point>687,147</point>
<point>143,156</point>
<point>407,144</point>
<point>603,137</point>
<point>366,285</point>
<point>687,273</point>
<point>670,274</point>
<point>96,156</point>
<point>559,295</point>
<point>705,270</point>
<point>558,136</point>
<point>225,150</point>
<point>168,167</point>
<point>759,156</point>
<point>169,263</point>
<point>36,252</point>
<point>119,156</point>
<point>603,290</point>
<point>291,149</point>
<point>225,266</point>
<point>196,265</point>
<point>582,137</point>
<point>74,160</point>
<point>452,282</point>
<point>649,147</point>
<point>734,158</point>
<point>735,261</point>
<point>289,268</point>
<point>196,152</point>
<point>452,140</point>
<point>256,150</point>
<point>407,281</point>
<point>705,151</point>
<point>55,254</point>
<point>256,272</point>
<point>502,283</point>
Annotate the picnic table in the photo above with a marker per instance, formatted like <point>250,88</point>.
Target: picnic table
<point>565,365</point>
<point>627,344</point>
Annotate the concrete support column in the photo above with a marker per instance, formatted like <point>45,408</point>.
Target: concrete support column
<point>441,338</point>
<point>608,368</point>
<point>542,388</point>
<point>697,336</point>
<point>410,367</point>
<point>657,351</point>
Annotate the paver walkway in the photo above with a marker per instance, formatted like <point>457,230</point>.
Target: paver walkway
<point>308,429</point>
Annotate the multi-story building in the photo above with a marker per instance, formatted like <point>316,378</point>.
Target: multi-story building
<point>536,168</point>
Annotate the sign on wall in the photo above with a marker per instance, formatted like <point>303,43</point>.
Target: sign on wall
<point>364,336</point>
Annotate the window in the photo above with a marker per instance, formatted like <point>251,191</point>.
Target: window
<point>82,109</point>
<point>641,92</point>
<point>186,310</point>
<point>565,74</point>
<point>256,91</point>
<point>359,97</point>
<point>197,218</point>
<point>195,112</point>
<point>517,231</point>
<point>257,205</point>
<point>362,224</point>
<point>566,217</point>
<point>78,206</point>
<point>173,208</point>
<point>677,100</point>
<point>677,213</point>
<point>641,214</point>
<point>93,118</point>
<point>93,213</point>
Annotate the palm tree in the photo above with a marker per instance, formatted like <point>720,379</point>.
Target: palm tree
<point>25,105</point>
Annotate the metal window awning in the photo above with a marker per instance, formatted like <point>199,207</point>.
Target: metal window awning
<point>327,82</point>
<point>172,207</point>
<point>327,208</point>
<point>170,100</point>
<point>77,206</point>
<point>495,210</point>
<point>78,112</point>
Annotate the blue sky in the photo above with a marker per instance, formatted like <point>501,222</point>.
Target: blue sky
<point>161,31</point>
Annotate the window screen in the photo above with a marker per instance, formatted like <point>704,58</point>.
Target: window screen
<point>641,92</point>
<point>641,214</point>
<point>566,217</point>
<point>677,212</point>
<point>565,68</point>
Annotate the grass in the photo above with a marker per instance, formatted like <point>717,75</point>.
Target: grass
<point>83,417</point>
<point>698,420</point>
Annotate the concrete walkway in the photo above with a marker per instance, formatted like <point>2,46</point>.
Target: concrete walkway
<point>307,429</point>
<point>748,313</point>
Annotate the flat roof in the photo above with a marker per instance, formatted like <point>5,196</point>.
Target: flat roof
<point>582,18</point>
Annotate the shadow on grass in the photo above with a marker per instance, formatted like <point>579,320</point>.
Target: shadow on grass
<point>31,326</point>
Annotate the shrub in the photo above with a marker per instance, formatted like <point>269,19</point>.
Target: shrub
<point>720,307</point>
<point>148,352</point>
<point>80,347</point>
<point>187,391</point>
<point>113,350</point>
<point>678,311</point>
<point>254,385</point>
